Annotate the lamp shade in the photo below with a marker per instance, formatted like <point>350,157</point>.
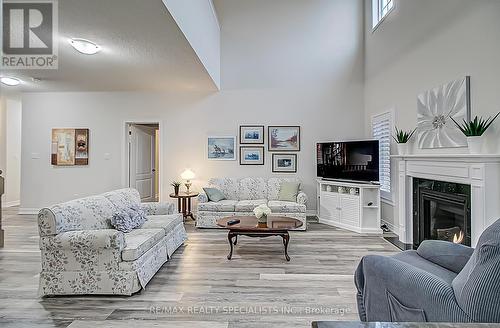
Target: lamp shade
<point>187,175</point>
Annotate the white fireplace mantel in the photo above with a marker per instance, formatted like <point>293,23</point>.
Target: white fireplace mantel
<point>481,172</point>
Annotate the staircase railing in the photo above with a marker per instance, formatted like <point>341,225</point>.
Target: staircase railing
<point>1,193</point>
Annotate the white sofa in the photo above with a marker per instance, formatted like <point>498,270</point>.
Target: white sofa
<point>83,254</point>
<point>243,195</point>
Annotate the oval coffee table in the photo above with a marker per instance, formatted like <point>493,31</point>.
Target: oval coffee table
<point>250,226</point>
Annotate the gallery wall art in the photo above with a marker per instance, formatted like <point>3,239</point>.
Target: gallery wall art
<point>251,134</point>
<point>435,110</point>
<point>285,163</point>
<point>221,148</point>
<point>284,138</point>
<point>70,147</point>
<point>251,155</point>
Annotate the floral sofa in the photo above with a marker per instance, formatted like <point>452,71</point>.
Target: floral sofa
<point>83,254</point>
<point>243,195</point>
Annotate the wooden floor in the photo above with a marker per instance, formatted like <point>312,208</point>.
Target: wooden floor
<point>199,287</point>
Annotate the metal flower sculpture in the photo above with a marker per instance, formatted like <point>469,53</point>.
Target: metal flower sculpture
<point>435,110</point>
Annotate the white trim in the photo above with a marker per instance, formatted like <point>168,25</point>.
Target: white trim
<point>28,211</point>
<point>387,201</point>
<point>374,28</point>
<point>214,12</point>
<point>376,231</point>
<point>11,204</point>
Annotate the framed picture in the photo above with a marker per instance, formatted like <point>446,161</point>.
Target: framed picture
<point>70,147</point>
<point>436,110</point>
<point>285,163</point>
<point>251,134</point>
<point>251,155</point>
<point>221,148</point>
<point>284,138</point>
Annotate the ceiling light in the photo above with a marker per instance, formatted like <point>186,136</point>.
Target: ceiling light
<point>85,46</point>
<point>10,81</point>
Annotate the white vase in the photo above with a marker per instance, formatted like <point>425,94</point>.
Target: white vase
<point>402,149</point>
<point>475,144</point>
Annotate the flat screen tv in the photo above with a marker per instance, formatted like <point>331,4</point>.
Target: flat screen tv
<point>349,160</point>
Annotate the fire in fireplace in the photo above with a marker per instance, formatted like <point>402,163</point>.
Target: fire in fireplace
<point>441,212</point>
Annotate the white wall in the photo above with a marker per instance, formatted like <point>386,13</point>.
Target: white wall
<point>198,21</point>
<point>426,43</point>
<point>302,64</point>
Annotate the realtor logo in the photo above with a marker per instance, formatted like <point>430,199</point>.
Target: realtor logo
<point>29,34</point>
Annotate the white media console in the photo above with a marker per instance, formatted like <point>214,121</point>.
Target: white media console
<point>349,205</point>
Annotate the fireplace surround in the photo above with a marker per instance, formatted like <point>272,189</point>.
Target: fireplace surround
<point>441,211</point>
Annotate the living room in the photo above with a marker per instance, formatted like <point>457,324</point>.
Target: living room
<point>244,76</point>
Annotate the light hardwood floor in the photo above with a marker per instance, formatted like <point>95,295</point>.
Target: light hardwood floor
<point>199,287</point>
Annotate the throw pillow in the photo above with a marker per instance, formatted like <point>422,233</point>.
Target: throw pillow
<point>289,191</point>
<point>129,219</point>
<point>214,194</point>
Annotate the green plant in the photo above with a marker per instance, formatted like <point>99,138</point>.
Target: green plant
<point>476,127</point>
<point>403,137</point>
<point>175,184</point>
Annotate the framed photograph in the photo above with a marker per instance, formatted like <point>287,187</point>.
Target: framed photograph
<point>221,148</point>
<point>251,155</point>
<point>70,147</point>
<point>251,134</point>
<point>284,138</point>
<point>285,163</point>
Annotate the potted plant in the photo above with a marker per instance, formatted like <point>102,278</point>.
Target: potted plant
<point>474,131</point>
<point>402,138</point>
<point>176,185</point>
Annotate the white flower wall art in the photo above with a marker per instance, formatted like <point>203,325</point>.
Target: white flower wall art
<point>436,107</point>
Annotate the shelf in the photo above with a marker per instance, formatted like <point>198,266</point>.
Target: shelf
<point>366,206</point>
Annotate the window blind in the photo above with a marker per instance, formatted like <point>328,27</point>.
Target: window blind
<point>381,130</point>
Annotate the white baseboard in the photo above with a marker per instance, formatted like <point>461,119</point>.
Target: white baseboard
<point>391,226</point>
<point>11,204</point>
<point>28,211</point>
<point>375,231</point>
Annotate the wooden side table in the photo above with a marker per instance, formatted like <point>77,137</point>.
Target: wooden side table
<point>184,203</point>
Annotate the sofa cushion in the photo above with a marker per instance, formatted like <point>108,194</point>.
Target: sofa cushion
<point>252,189</point>
<point>248,205</point>
<point>228,186</point>
<point>411,257</point>
<point>214,194</point>
<point>165,222</point>
<point>274,186</point>
<point>139,241</point>
<point>289,191</point>
<point>278,206</point>
<point>123,198</point>
<point>225,205</point>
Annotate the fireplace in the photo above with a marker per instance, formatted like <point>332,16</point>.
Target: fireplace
<point>442,211</point>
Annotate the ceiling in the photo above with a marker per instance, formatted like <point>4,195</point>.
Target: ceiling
<point>143,50</point>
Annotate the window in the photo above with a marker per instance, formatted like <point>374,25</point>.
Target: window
<point>380,9</point>
<point>381,130</point>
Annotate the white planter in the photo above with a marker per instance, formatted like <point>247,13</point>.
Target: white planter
<point>475,144</point>
<point>403,149</point>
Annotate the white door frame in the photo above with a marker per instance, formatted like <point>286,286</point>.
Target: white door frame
<point>125,152</point>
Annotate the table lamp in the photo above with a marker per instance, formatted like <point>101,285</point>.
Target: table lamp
<point>187,175</point>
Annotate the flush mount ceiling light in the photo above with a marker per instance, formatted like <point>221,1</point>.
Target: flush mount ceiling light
<point>10,81</point>
<point>85,46</point>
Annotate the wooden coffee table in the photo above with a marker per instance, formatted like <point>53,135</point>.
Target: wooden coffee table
<point>250,226</point>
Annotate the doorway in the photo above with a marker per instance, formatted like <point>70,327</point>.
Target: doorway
<point>144,160</point>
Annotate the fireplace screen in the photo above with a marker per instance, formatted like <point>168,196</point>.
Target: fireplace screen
<point>442,212</point>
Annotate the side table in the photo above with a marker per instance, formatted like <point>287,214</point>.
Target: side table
<point>184,203</point>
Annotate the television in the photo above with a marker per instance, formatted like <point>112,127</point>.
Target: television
<point>348,160</point>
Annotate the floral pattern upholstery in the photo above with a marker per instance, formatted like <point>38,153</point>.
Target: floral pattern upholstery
<point>158,208</point>
<point>82,254</point>
<point>242,200</point>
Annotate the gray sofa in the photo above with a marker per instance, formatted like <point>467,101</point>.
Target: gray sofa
<point>83,254</point>
<point>439,282</point>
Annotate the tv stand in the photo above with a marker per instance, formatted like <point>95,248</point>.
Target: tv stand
<point>353,206</point>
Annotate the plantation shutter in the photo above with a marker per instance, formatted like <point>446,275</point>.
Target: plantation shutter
<point>381,130</point>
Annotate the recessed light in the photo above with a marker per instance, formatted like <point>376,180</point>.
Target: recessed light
<point>10,81</point>
<point>85,46</point>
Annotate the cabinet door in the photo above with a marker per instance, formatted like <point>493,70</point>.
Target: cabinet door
<point>329,207</point>
<point>350,210</point>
